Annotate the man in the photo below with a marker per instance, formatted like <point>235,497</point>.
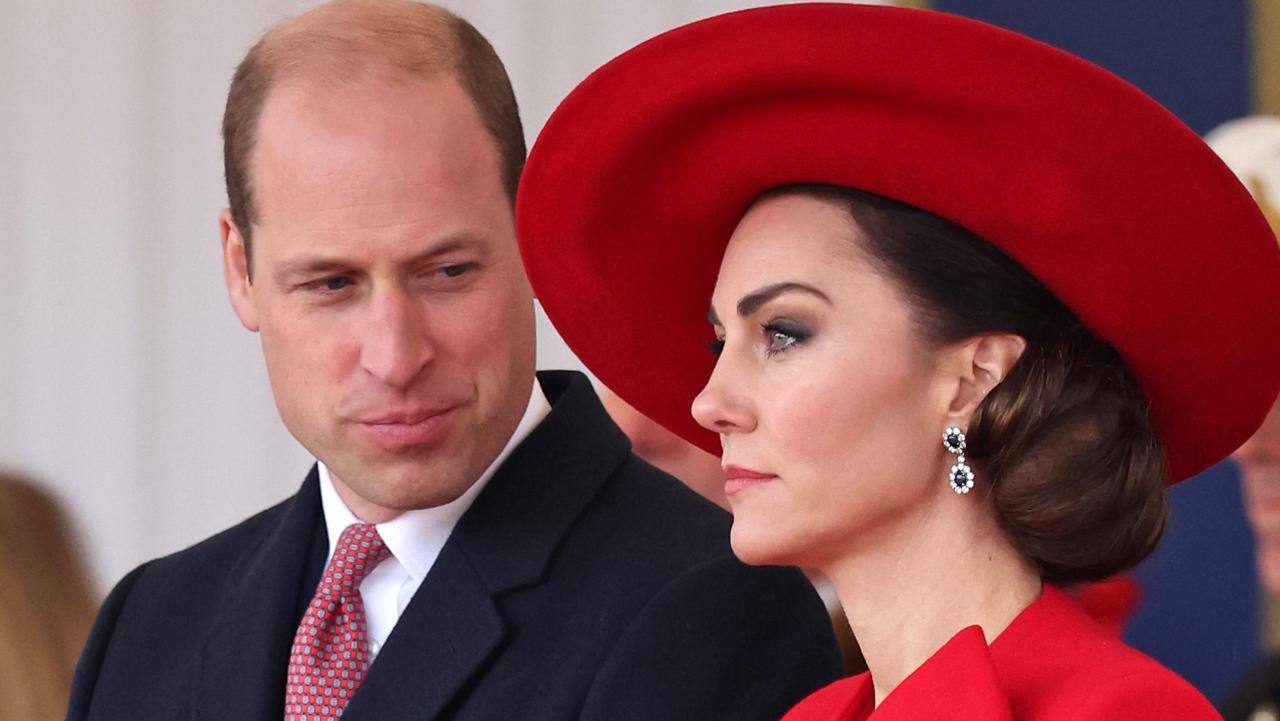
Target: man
<point>1251,147</point>
<point>487,540</point>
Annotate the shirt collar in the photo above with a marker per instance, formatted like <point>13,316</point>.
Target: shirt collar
<point>416,537</point>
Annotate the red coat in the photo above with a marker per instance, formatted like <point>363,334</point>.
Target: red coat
<point>1053,663</point>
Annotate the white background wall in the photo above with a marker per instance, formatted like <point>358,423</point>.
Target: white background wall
<point>126,383</point>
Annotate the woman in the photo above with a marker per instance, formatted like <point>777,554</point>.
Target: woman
<point>972,300</point>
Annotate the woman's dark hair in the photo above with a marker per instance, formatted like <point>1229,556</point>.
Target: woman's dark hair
<point>1073,468</point>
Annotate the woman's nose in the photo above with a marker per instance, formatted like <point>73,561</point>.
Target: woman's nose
<point>723,405</point>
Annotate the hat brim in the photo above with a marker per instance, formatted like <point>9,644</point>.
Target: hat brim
<point>638,179</point>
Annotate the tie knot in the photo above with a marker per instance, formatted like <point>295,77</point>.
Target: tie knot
<point>358,551</point>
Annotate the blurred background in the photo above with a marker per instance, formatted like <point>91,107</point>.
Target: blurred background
<point>128,388</point>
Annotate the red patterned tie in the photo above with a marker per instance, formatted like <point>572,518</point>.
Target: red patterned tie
<point>331,648</point>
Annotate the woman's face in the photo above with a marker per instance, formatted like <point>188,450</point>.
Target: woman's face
<point>829,405</point>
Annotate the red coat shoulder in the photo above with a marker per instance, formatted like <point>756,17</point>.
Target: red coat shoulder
<point>1053,663</point>
<point>1057,663</point>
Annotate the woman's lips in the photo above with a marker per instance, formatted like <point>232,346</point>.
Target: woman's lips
<point>738,478</point>
<point>401,431</point>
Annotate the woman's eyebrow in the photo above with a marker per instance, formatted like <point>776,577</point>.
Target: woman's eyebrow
<point>752,301</point>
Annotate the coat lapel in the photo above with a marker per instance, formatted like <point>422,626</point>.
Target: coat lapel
<point>959,681</point>
<point>512,531</point>
<point>448,631</point>
<point>246,656</point>
<point>453,626</point>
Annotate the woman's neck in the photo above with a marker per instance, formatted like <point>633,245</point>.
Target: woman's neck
<point>916,584</point>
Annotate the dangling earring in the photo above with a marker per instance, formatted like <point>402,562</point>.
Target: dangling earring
<point>961,475</point>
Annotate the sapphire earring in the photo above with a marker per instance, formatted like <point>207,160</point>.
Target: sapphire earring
<point>961,475</point>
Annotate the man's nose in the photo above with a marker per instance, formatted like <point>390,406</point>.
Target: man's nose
<point>397,345</point>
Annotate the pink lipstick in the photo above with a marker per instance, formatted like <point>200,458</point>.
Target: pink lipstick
<point>737,479</point>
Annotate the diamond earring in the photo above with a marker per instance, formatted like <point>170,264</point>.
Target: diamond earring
<point>961,475</point>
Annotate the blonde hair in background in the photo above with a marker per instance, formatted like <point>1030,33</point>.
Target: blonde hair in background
<point>46,603</point>
<point>1266,56</point>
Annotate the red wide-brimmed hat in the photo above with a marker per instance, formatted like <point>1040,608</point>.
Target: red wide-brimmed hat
<point>638,179</point>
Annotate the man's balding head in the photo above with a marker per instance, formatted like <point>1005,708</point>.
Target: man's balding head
<point>387,291</point>
<point>352,40</point>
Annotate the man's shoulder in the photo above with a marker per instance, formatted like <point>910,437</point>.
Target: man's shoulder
<point>687,608</point>
<point>574,482</point>
<point>652,501</point>
<point>200,570</point>
<point>227,546</point>
<point>645,529</point>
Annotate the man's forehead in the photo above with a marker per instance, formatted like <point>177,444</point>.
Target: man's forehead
<point>372,138</point>
<point>355,94</point>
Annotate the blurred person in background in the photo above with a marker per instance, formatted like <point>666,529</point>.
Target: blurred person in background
<point>47,602</point>
<point>475,540</point>
<point>1251,147</point>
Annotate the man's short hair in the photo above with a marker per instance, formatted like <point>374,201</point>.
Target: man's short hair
<point>349,39</point>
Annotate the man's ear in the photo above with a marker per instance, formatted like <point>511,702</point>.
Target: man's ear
<point>983,361</point>
<point>235,269</point>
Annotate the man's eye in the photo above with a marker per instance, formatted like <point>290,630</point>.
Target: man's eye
<point>457,269</point>
<point>336,283</point>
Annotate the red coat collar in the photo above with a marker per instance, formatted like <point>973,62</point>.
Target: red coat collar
<point>970,674</point>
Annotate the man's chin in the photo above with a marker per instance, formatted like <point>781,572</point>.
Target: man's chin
<point>396,488</point>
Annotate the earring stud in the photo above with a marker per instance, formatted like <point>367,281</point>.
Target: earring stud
<point>961,475</point>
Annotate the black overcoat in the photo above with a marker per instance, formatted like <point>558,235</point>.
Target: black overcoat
<point>581,584</point>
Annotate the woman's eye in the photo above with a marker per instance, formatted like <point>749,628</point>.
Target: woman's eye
<point>780,341</point>
<point>716,346</point>
<point>781,337</point>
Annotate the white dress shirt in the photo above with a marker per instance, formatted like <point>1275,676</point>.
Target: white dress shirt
<point>415,538</point>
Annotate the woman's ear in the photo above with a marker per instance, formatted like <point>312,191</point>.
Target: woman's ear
<point>983,361</point>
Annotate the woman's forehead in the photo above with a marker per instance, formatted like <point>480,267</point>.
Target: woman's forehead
<point>798,235</point>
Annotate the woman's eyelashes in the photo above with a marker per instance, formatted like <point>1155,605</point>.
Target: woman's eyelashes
<point>783,334</point>
<point>778,336</point>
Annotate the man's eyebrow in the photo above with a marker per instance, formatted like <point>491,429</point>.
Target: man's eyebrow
<point>751,302</point>
<point>320,265</point>
<point>310,266</point>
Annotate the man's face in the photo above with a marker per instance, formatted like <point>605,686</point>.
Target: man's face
<point>1259,462</point>
<point>394,313</point>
